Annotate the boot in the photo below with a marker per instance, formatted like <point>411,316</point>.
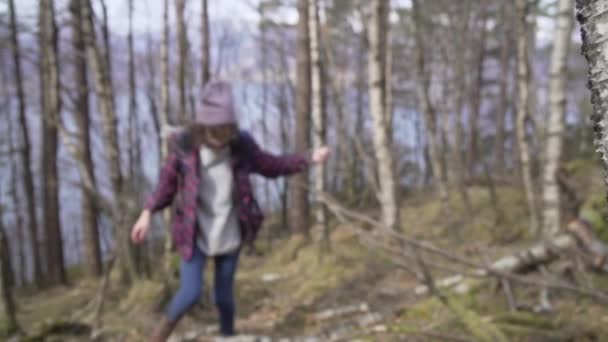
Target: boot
<point>163,330</point>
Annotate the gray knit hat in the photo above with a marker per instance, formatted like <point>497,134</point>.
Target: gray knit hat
<point>217,104</point>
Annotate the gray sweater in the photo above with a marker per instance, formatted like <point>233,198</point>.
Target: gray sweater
<point>218,223</point>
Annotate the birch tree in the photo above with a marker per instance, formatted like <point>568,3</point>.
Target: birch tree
<point>428,111</point>
<point>105,95</point>
<point>318,111</point>
<point>165,105</point>
<point>9,309</point>
<point>133,127</point>
<point>377,92</point>
<point>14,195</point>
<point>299,206</point>
<point>105,32</point>
<point>461,32</point>
<point>92,250</point>
<point>182,43</point>
<point>263,28</point>
<point>557,116</point>
<point>205,46</point>
<point>592,16</point>
<point>476,89</point>
<point>165,109</point>
<point>51,109</point>
<point>523,114</point>
<point>504,60</point>
<point>25,150</point>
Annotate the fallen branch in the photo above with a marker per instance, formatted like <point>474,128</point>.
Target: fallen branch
<point>536,255</point>
<point>481,330</point>
<point>346,216</point>
<point>341,312</point>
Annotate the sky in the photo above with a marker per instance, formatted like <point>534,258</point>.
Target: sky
<point>148,13</point>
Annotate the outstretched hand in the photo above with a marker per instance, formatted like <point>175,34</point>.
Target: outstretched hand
<point>140,229</point>
<point>320,155</point>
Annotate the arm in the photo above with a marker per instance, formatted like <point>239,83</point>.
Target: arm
<point>167,186</point>
<point>272,166</point>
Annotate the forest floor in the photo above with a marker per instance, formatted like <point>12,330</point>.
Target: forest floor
<point>356,292</point>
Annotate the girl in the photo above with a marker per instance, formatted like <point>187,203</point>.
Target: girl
<point>207,174</point>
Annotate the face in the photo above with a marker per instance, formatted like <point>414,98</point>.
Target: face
<point>215,136</point>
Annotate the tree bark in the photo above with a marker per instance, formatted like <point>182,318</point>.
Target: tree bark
<point>360,82</point>
<point>205,47</point>
<point>92,250</point>
<point>505,60</point>
<point>51,109</point>
<point>541,253</point>
<point>430,116</point>
<point>13,191</point>
<point>105,30</point>
<point>592,17</point>
<point>133,127</point>
<point>377,92</point>
<point>557,117</point>
<point>165,108</point>
<point>165,104</point>
<point>28,178</point>
<point>283,107</point>
<point>476,93</point>
<point>133,134</point>
<point>182,43</point>
<point>461,174</point>
<point>105,94</point>
<point>6,289</point>
<point>318,113</point>
<point>263,27</point>
<point>20,243</point>
<point>299,205</point>
<point>523,115</point>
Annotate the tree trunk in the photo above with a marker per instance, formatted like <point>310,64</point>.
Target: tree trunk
<point>133,126</point>
<point>20,243</point>
<point>357,164</point>
<point>264,106</point>
<point>541,253</point>
<point>461,174</point>
<point>284,108</point>
<point>164,123</point>
<point>476,93</point>
<point>182,43</point>
<point>505,60</point>
<point>92,251</point>
<point>14,181</point>
<point>105,30</point>
<point>28,178</point>
<point>165,105</point>
<point>51,109</point>
<point>318,113</point>
<point>105,95</point>
<point>377,92</point>
<point>557,117</point>
<point>523,115</point>
<point>299,206</point>
<point>133,136</point>
<point>6,291</point>
<point>205,47</point>
<point>428,111</point>
<point>592,17</point>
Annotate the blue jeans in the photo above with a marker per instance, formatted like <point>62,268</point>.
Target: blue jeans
<point>191,286</point>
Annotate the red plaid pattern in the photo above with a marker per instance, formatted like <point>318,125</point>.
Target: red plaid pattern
<point>179,181</point>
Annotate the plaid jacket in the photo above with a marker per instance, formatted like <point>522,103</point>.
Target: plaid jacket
<point>179,181</point>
